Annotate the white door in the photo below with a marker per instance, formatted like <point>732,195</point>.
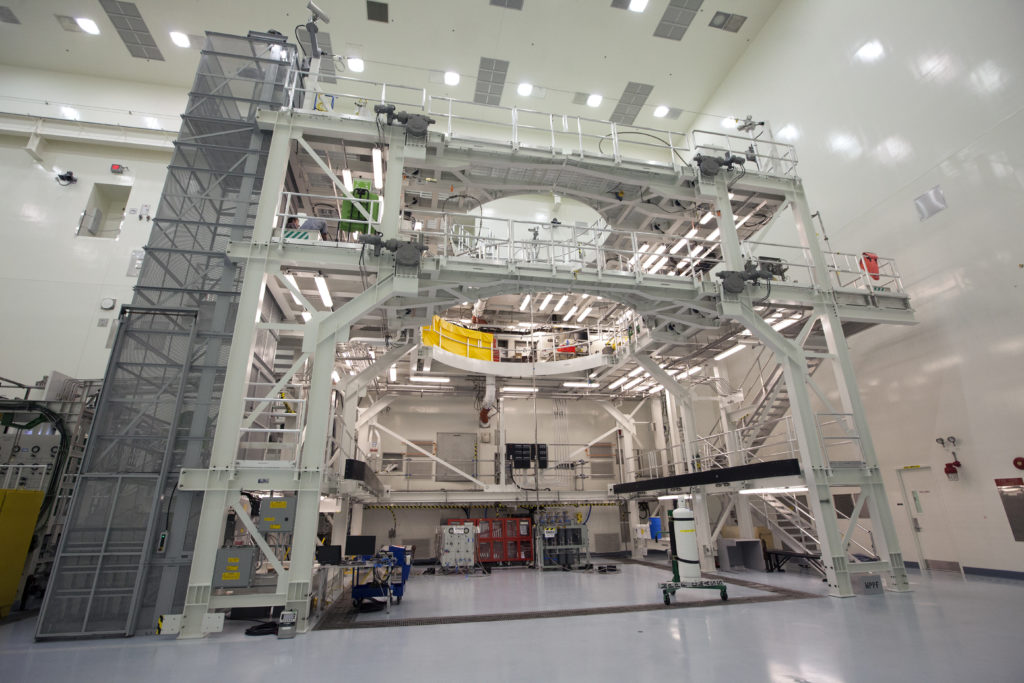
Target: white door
<point>927,519</point>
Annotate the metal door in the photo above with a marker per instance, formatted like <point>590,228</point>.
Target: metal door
<point>927,519</point>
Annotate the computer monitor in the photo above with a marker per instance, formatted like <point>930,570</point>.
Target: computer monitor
<point>328,554</point>
<point>360,545</point>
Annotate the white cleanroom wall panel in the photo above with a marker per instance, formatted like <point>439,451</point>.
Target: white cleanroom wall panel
<point>940,104</point>
<point>52,281</point>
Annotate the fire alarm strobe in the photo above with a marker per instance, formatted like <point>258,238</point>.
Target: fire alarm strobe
<point>1018,463</point>
<point>117,168</point>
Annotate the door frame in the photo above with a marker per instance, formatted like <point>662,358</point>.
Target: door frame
<point>907,505</point>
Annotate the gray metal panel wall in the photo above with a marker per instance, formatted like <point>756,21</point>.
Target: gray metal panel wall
<point>159,404</point>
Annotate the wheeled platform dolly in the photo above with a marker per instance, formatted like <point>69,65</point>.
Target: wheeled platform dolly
<point>682,537</point>
<point>669,588</point>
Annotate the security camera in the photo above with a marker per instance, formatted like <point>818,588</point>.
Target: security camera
<point>317,12</point>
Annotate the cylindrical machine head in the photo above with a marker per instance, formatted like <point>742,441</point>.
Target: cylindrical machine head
<point>684,531</point>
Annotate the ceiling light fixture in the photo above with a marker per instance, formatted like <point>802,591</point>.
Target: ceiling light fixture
<point>635,371</point>
<point>307,316</point>
<point>617,383</point>
<point>642,248</point>
<point>526,302</point>
<point>714,235</point>
<point>325,294</point>
<point>637,5</point>
<point>180,39</point>
<point>393,373</point>
<point>580,385</point>
<point>451,78</point>
<point>870,51</point>
<point>87,25</point>
<point>633,384</point>
<point>151,122</point>
<point>525,89</point>
<point>561,302</point>
<point>706,217</point>
<point>693,371</point>
<point>729,352</point>
<point>521,390</point>
<point>586,311</point>
<point>356,64</point>
<point>571,312</point>
<point>70,113</point>
<point>430,380</point>
<point>346,179</point>
<point>774,489</point>
<point>730,122</point>
<point>291,280</point>
<point>594,100</point>
<point>544,304</point>
<point>658,266</point>
<point>660,111</point>
<point>378,168</point>
<point>335,376</point>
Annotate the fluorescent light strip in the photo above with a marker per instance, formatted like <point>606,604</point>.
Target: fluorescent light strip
<point>785,323</point>
<point>291,279</point>
<point>633,384</point>
<point>430,380</point>
<point>561,302</point>
<point>571,312</point>
<point>660,264</point>
<point>640,250</point>
<point>378,168</point>
<point>526,302</point>
<point>693,371</point>
<point>325,295</point>
<point>335,376</point>
<point>775,489</point>
<point>307,316</point>
<point>635,371</point>
<point>585,313</point>
<point>729,352</point>
<point>706,218</point>
<point>393,373</point>
<point>520,390</point>
<point>714,235</point>
<point>653,257</point>
<point>346,179</point>
<point>580,385</point>
<point>544,304</point>
<point>617,383</point>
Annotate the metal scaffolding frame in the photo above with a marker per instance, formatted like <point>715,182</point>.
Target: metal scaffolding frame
<point>217,247</point>
<point>129,538</point>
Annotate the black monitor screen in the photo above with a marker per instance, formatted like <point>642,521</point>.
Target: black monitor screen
<point>328,554</point>
<point>360,545</point>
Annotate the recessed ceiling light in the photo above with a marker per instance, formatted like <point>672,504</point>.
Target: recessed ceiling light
<point>87,25</point>
<point>180,39</point>
<point>451,78</point>
<point>660,111</point>
<point>870,51</point>
<point>594,100</point>
<point>356,65</point>
<point>637,5</point>
<point>525,89</point>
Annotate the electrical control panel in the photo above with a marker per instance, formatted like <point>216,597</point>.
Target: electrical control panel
<point>277,515</point>
<point>457,548</point>
<point>234,567</point>
<point>27,460</point>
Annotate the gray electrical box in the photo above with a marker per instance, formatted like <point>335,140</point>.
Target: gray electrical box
<point>277,515</point>
<point>235,567</point>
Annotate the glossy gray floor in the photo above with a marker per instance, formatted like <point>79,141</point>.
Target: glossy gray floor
<point>948,629</point>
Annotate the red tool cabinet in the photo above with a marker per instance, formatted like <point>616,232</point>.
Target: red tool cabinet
<point>502,539</point>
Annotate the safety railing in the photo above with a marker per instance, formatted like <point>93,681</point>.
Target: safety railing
<point>809,527</point>
<point>529,129</point>
<point>273,426</point>
<point>839,439</point>
<point>340,217</point>
<point>851,272</point>
<point>763,155</point>
<point>547,346</point>
<point>739,446</point>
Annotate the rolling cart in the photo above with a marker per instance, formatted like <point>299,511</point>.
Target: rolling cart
<point>682,535</point>
<point>396,565</point>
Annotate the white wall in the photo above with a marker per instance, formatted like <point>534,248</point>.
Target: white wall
<point>943,105</point>
<point>51,281</point>
<point>97,100</point>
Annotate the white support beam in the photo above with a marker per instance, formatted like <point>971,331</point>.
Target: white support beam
<point>374,410</point>
<point>268,552</point>
<point>623,421</point>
